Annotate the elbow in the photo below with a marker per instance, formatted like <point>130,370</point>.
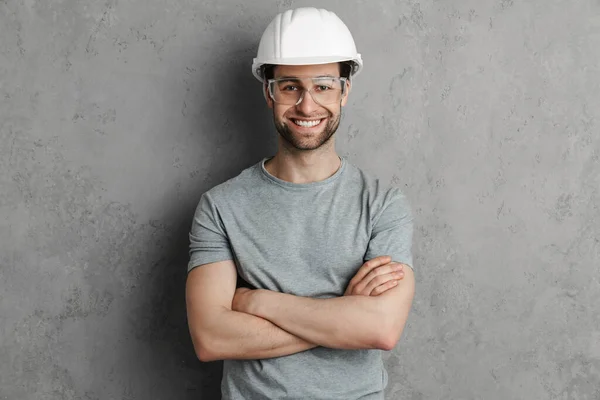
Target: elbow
<point>206,350</point>
<point>387,342</point>
<point>387,337</point>
<point>379,338</point>
<point>206,355</point>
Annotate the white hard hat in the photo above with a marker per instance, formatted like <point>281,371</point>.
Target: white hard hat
<point>306,36</point>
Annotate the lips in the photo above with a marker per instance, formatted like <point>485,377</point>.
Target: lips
<point>306,123</point>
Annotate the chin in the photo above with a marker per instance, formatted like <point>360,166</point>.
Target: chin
<point>301,142</point>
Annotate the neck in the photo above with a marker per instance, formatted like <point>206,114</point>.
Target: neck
<point>303,166</point>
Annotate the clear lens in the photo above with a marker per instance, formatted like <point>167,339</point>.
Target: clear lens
<point>324,90</point>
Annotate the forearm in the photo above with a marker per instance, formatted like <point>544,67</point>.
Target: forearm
<point>348,322</point>
<point>237,335</point>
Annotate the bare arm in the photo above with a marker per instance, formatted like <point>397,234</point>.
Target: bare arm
<point>348,322</point>
<point>218,332</point>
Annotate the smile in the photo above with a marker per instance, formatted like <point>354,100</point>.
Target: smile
<point>307,123</point>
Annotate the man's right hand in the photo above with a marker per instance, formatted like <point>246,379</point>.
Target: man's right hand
<point>375,277</point>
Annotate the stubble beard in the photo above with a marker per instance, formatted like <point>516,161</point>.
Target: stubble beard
<point>316,141</point>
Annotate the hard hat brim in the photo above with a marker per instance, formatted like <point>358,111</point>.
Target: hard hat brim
<point>258,64</point>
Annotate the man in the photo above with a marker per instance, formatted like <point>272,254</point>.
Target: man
<point>326,247</point>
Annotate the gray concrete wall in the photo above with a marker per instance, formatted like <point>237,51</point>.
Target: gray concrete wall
<point>116,115</point>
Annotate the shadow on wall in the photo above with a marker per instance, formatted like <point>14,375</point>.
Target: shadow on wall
<point>241,133</point>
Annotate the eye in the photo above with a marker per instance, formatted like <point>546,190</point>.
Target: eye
<point>322,88</point>
<point>289,88</point>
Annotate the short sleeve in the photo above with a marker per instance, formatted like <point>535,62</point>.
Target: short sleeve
<point>393,230</point>
<point>208,239</point>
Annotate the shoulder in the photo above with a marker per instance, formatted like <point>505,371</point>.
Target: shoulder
<point>236,187</point>
<point>378,193</point>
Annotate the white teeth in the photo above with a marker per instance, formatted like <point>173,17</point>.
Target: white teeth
<point>308,124</point>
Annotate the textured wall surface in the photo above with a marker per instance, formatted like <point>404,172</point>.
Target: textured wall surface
<point>116,115</point>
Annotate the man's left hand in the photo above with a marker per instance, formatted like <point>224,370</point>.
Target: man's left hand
<point>375,277</point>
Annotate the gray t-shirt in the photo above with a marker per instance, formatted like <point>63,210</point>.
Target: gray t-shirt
<point>307,240</point>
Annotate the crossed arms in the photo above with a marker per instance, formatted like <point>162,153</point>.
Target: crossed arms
<point>226,323</point>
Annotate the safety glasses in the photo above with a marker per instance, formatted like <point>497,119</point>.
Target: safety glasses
<point>324,90</point>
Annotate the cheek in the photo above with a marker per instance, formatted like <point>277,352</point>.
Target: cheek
<point>333,113</point>
<point>280,111</point>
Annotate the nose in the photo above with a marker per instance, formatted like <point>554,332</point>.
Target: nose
<point>306,103</point>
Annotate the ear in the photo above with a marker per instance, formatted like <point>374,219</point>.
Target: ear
<point>348,87</point>
<point>267,97</point>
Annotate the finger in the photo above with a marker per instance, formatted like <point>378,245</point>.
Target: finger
<point>382,270</point>
<point>384,288</point>
<point>376,272</point>
<point>368,266</point>
<point>365,286</point>
<point>382,280</point>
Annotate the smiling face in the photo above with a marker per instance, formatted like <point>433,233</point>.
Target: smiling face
<point>308,125</point>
